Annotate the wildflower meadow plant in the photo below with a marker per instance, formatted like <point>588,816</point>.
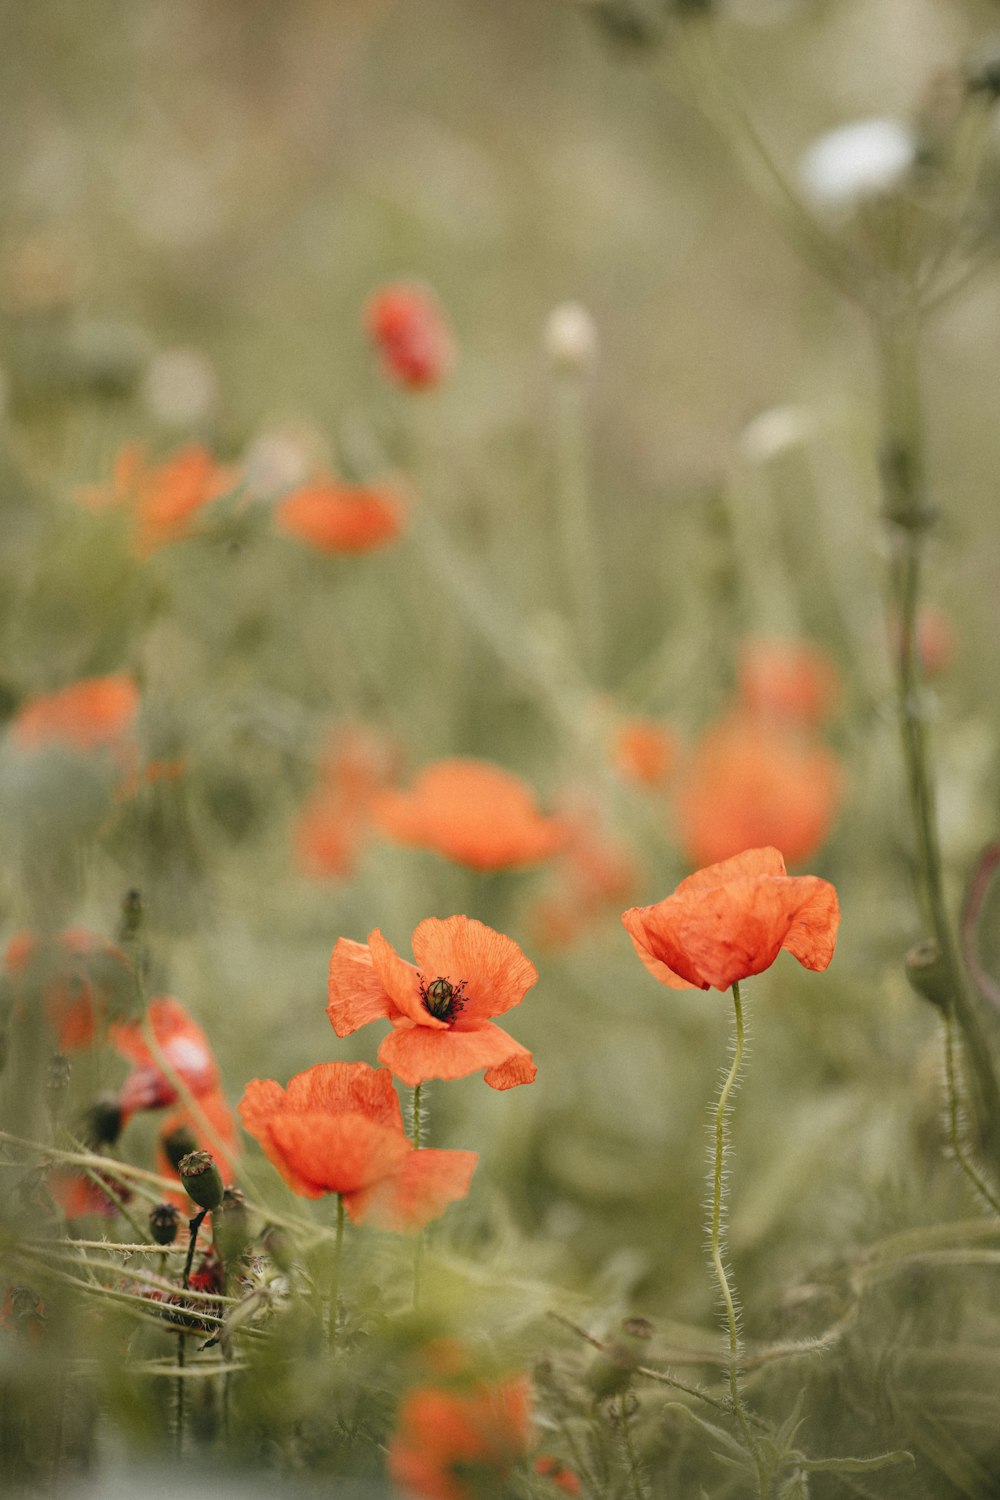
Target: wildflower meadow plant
<point>482,520</point>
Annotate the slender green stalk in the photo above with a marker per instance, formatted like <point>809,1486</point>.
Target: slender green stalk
<point>180,1411</point>
<point>419,1111</point>
<point>956,1130</point>
<point>575,519</point>
<point>338,1249</point>
<point>628,1447</point>
<point>909,518</point>
<point>716,1237</point>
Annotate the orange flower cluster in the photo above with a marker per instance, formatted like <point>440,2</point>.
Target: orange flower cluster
<point>337,817</point>
<point>336,517</point>
<point>441,1007</point>
<point>454,1443</point>
<point>408,328</point>
<point>761,774</point>
<point>338,1129</point>
<point>472,812</point>
<point>162,499</point>
<point>77,975</point>
<point>95,713</point>
<point>731,920</point>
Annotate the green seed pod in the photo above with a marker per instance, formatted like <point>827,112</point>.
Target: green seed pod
<point>201,1179</point>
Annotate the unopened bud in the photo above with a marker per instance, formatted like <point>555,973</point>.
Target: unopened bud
<point>164,1221</point>
<point>571,338</point>
<point>177,1144</point>
<point>928,974</point>
<point>201,1179</point>
<point>102,1124</point>
<point>230,1226</point>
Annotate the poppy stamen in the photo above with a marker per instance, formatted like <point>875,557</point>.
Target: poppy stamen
<point>443,999</point>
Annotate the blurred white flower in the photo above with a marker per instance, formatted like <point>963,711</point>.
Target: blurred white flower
<point>571,337</point>
<point>774,431</point>
<point>180,388</point>
<point>857,161</point>
<point>280,459</point>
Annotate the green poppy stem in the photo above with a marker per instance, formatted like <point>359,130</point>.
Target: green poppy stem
<point>338,1250</point>
<point>722,1276</point>
<point>419,1113</point>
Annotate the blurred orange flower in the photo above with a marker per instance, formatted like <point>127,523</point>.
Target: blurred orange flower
<point>336,517</point>
<point>210,1127</point>
<point>408,328</point>
<point>644,751</point>
<point>338,1129</point>
<point>455,1444</point>
<point>337,817</point>
<point>564,1479</point>
<point>791,680</point>
<point>78,1196</point>
<point>732,919</point>
<point>440,1008</point>
<point>752,781</point>
<point>162,498</point>
<point>77,975</point>
<point>183,1044</point>
<point>473,812</point>
<point>94,713</point>
<point>595,872</point>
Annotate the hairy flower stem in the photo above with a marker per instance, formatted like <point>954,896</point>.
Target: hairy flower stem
<point>338,1250</point>
<point>180,1412</point>
<point>628,1447</point>
<point>956,1124</point>
<point>908,516</point>
<point>419,1114</point>
<point>716,1237</point>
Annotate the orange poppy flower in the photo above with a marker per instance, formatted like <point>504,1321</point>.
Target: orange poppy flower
<point>79,1196</point>
<point>752,782</point>
<point>183,1044</point>
<point>77,975</point>
<point>732,919</point>
<point>791,680</point>
<point>472,812</point>
<point>338,1129</point>
<point>163,498</point>
<point>440,1008</point>
<point>455,1444</point>
<point>337,817</point>
<point>336,517</point>
<point>92,714</point>
<point>408,328</point>
<point>644,751</point>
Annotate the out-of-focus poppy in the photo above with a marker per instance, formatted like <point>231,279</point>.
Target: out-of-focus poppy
<point>440,1008</point>
<point>337,816</point>
<point>408,328</point>
<point>455,1444</point>
<point>473,812</point>
<point>78,976</point>
<point>336,517</point>
<point>164,498</point>
<point>80,1196</point>
<point>787,680</point>
<point>184,1046</point>
<point>93,714</point>
<point>563,1478</point>
<point>731,920</point>
<point>209,1127</point>
<point>752,782</point>
<point>595,873</point>
<point>337,1128</point>
<point>644,751</point>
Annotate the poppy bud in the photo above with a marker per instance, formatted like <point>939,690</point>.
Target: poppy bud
<point>102,1123</point>
<point>177,1144</point>
<point>164,1221</point>
<point>230,1229</point>
<point>928,974</point>
<point>201,1179</point>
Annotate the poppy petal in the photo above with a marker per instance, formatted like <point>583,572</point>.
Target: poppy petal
<point>332,1154</point>
<point>356,994</point>
<point>427,1182</point>
<point>812,936</point>
<point>416,1053</point>
<point>659,970</point>
<point>401,982</point>
<point>495,971</point>
<point>653,930</point>
<point>737,930</point>
<point>765,861</point>
<point>336,1088</point>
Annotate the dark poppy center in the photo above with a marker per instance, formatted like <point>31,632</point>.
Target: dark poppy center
<point>443,999</point>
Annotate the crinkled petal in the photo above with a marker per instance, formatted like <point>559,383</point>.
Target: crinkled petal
<point>653,930</point>
<point>402,984</point>
<point>345,1087</point>
<point>496,973</point>
<point>356,994</point>
<point>736,930</point>
<point>812,935</point>
<point>415,1053</point>
<point>318,1153</point>
<point>766,861</point>
<point>427,1182</point>
<point>518,1068</point>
